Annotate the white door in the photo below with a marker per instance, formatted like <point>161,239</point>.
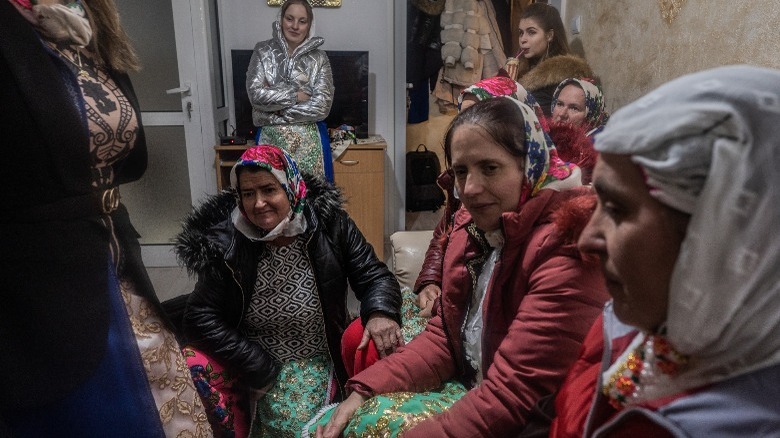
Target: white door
<point>182,97</point>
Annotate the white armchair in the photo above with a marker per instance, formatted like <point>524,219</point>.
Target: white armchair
<point>407,253</point>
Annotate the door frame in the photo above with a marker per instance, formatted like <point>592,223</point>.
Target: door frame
<point>193,34</point>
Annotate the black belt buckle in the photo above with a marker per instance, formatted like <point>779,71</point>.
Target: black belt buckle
<point>109,200</point>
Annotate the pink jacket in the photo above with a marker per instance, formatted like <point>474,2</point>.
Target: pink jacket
<point>538,307</point>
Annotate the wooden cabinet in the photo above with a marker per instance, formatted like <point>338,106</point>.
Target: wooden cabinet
<point>225,158</point>
<point>359,172</point>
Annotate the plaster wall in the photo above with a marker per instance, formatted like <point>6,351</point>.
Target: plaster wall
<point>633,49</point>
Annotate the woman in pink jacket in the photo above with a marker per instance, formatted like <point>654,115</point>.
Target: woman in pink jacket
<point>517,297</point>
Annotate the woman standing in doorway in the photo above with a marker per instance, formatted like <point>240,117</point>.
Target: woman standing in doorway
<point>290,86</point>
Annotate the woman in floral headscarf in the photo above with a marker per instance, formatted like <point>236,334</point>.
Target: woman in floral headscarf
<point>428,284</point>
<point>580,102</point>
<point>269,308</point>
<point>517,298</point>
<point>578,114</point>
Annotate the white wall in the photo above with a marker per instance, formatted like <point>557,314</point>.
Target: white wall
<point>356,25</point>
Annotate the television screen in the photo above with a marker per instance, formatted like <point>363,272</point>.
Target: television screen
<point>350,99</point>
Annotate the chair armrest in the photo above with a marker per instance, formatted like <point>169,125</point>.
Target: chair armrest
<point>407,253</point>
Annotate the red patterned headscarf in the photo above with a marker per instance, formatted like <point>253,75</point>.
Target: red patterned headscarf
<point>281,165</point>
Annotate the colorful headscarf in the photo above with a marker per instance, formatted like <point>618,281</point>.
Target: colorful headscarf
<point>497,86</point>
<point>281,166</point>
<point>596,114</point>
<point>543,167</point>
<point>708,146</point>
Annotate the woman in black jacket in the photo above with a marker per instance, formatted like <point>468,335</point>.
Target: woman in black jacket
<point>269,306</point>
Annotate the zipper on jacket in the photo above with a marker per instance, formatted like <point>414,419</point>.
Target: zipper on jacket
<point>238,283</point>
<point>450,343</point>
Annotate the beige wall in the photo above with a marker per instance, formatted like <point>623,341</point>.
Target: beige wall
<point>634,50</point>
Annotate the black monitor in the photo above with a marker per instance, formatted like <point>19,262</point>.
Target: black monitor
<point>350,99</point>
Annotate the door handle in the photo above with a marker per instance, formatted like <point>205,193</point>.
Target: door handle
<point>184,90</point>
<point>189,111</point>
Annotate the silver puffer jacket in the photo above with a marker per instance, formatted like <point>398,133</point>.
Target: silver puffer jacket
<point>274,78</point>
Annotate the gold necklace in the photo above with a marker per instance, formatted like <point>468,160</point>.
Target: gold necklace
<point>82,72</point>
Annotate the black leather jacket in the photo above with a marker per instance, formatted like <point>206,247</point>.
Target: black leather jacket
<point>226,263</point>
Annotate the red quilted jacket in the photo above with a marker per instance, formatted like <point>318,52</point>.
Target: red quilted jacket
<point>538,307</point>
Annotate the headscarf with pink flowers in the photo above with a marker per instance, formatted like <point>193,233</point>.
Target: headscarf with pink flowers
<point>497,86</point>
<point>281,165</point>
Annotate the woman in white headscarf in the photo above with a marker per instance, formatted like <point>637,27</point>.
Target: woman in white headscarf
<point>688,201</point>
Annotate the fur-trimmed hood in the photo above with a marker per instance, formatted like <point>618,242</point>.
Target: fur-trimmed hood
<point>208,235</point>
<point>552,71</point>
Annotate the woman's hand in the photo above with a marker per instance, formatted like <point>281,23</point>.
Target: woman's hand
<point>341,416</point>
<point>425,299</point>
<point>302,97</point>
<point>385,332</point>
<point>511,67</point>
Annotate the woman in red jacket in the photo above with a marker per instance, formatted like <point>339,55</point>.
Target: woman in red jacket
<point>517,298</point>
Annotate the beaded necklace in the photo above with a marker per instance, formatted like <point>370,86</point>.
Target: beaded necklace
<point>648,363</point>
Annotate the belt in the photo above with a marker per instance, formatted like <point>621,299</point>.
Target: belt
<point>109,200</point>
<point>103,202</point>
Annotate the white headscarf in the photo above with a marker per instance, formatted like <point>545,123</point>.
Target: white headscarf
<point>709,144</point>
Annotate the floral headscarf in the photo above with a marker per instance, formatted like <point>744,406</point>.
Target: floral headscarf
<point>596,114</point>
<point>497,86</point>
<point>543,167</point>
<point>281,166</point>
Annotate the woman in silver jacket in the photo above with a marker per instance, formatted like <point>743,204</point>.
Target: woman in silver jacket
<point>290,86</point>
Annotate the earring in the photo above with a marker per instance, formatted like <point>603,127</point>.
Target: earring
<point>547,55</point>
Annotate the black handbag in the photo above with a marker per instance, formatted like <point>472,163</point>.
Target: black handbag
<point>422,170</point>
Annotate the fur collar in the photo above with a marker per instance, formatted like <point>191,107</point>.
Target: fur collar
<point>207,234</point>
<point>552,71</point>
